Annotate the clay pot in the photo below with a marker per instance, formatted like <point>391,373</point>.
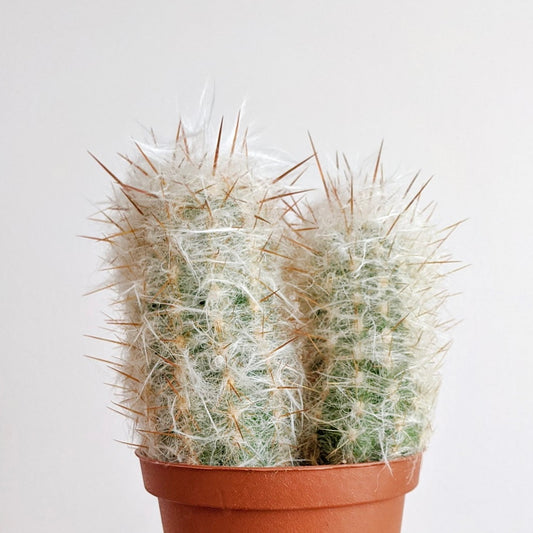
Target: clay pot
<point>362,498</point>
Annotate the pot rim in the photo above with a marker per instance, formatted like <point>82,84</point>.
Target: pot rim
<point>274,489</point>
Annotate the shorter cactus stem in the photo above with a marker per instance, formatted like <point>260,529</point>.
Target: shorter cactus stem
<point>371,293</point>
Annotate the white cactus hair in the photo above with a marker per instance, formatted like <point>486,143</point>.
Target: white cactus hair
<point>210,371</point>
<point>371,288</point>
<point>258,329</point>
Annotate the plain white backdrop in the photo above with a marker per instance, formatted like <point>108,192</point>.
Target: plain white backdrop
<point>449,87</point>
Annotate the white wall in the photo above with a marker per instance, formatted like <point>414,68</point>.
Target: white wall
<point>448,85</point>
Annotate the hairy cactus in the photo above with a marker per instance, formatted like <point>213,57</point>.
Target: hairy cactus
<point>370,286</point>
<point>258,330</point>
<point>210,372</point>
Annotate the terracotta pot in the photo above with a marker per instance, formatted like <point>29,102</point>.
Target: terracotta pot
<point>363,498</point>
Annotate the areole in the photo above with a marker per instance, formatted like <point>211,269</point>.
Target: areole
<point>359,498</point>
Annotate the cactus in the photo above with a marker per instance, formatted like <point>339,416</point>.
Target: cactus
<point>259,330</point>
<point>370,287</point>
<point>210,372</point>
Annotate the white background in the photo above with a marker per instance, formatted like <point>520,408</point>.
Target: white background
<point>449,87</point>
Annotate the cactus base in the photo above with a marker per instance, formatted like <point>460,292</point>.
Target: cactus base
<point>361,498</point>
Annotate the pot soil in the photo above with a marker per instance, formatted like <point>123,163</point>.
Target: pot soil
<point>361,498</point>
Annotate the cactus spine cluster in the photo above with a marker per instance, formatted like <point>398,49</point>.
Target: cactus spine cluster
<point>211,374</point>
<point>258,332</point>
